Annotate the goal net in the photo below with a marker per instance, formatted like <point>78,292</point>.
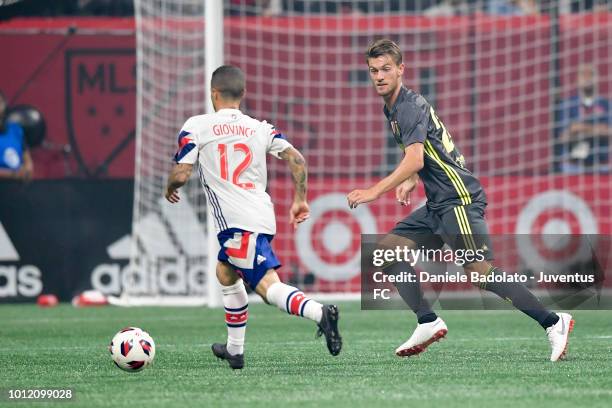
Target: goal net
<point>504,80</point>
<point>169,242</point>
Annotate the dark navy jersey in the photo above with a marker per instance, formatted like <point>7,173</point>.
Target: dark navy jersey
<point>447,181</point>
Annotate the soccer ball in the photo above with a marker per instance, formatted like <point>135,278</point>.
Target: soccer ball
<point>132,349</point>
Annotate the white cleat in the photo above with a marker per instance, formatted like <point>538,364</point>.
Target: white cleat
<point>423,336</point>
<point>558,336</point>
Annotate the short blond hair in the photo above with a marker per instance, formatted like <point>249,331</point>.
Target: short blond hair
<point>384,46</point>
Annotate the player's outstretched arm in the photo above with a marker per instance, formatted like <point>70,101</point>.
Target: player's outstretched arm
<point>299,211</point>
<point>178,177</point>
<point>408,167</point>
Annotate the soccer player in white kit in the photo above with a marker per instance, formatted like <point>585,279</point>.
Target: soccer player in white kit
<point>230,149</point>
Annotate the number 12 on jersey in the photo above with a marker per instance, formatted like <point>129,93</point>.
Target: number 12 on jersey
<point>242,166</point>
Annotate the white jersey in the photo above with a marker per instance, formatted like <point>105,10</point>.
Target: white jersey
<point>231,149</point>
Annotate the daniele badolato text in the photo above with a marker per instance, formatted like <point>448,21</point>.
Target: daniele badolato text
<point>476,278</point>
<point>382,259</point>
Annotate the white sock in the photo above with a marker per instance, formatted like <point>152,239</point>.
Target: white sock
<point>293,301</point>
<point>236,304</point>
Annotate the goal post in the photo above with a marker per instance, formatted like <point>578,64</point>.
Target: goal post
<point>213,59</point>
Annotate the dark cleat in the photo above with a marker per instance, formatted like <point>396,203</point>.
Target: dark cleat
<point>329,327</point>
<point>220,351</point>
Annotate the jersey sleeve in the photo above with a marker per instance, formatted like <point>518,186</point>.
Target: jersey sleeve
<point>187,144</point>
<point>413,121</point>
<point>277,142</point>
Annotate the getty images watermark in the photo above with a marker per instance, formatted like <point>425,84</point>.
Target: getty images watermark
<point>567,271</point>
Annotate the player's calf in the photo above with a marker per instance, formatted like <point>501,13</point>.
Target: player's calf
<point>236,303</point>
<point>293,301</point>
<point>516,293</point>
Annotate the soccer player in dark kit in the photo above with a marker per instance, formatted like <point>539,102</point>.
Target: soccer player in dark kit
<point>455,209</point>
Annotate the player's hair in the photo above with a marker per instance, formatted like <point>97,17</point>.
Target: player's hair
<point>230,81</point>
<point>384,46</point>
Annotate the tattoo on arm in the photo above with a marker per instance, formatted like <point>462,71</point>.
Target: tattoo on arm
<point>179,176</point>
<point>297,165</point>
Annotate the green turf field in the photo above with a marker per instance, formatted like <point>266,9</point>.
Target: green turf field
<point>490,359</point>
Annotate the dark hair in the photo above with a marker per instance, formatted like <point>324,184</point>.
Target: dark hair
<point>384,47</point>
<point>229,80</point>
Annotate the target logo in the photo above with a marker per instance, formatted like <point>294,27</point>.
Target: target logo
<point>555,230</point>
<point>330,243</point>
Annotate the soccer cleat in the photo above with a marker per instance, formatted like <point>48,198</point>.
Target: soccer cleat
<point>220,351</point>
<point>558,336</point>
<point>423,336</point>
<point>329,327</point>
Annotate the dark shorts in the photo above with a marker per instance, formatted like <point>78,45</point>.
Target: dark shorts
<point>249,253</point>
<point>462,228</point>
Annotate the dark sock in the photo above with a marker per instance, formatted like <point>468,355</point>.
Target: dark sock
<point>411,293</point>
<point>522,299</point>
<point>550,320</point>
<point>427,318</point>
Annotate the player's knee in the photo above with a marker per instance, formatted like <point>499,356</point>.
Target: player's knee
<point>391,243</point>
<point>226,275</point>
<point>270,278</point>
<point>482,268</point>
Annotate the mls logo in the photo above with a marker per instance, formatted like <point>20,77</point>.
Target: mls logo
<point>101,110</point>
